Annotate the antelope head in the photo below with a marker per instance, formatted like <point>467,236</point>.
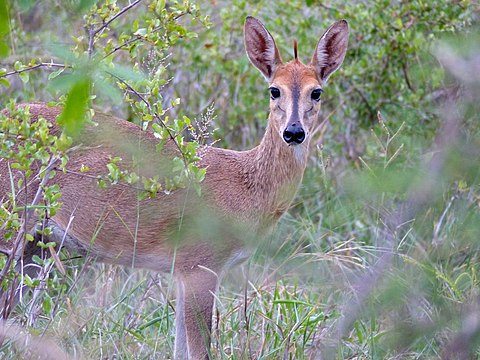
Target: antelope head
<point>295,88</point>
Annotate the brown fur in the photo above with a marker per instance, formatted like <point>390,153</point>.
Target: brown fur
<point>243,195</point>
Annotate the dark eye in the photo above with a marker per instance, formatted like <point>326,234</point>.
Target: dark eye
<point>274,93</point>
<point>316,94</point>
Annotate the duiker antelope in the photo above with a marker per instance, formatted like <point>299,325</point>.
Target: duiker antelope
<point>242,189</point>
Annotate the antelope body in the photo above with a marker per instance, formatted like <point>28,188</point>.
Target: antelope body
<point>242,189</point>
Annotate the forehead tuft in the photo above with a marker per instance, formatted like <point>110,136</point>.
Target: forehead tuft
<point>295,73</point>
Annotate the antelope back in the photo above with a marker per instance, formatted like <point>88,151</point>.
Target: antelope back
<point>114,225</point>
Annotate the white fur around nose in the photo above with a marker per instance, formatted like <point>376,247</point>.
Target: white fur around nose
<point>300,152</point>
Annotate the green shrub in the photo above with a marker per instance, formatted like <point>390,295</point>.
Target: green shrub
<point>378,256</point>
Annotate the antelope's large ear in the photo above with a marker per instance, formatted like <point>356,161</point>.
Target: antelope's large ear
<point>331,49</point>
<point>261,48</point>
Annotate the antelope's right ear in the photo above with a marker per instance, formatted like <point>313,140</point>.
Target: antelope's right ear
<point>331,49</point>
<point>261,48</point>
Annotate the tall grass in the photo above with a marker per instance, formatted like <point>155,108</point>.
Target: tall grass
<point>378,258</point>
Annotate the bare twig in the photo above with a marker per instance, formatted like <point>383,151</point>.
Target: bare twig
<point>407,77</point>
<point>46,269</point>
<point>36,66</point>
<point>126,43</point>
<point>120,13</point>
<point>92,32</point>
<point>19,242</point>
<point>91,40</point>
<point>140,37</point>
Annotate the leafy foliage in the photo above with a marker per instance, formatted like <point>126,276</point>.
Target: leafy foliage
<point>379,256</point>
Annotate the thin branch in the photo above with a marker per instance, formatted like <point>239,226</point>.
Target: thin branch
<point>140,37</point>
<point>92,32</point>
<point>19,243</point>
<point>126,43</point>
<point>407,77</point>
<point>91,40</point>
<point>43,276</point>
<point>120,13</point>
<point>155,114</point>
<point>33,67</point>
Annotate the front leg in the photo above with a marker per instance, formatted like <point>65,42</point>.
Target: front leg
<point>195,298</point>
<point>181,349</point>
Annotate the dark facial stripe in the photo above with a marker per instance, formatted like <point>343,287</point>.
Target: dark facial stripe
<point>295,117</point>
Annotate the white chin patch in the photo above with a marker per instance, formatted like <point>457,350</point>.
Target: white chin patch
<point>299,151</point>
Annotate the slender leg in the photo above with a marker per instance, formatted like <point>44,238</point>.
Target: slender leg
<point>181,349</point>
<point>198,297</point>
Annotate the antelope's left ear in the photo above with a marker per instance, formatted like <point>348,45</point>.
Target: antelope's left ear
<point>331,49</point>
<point>261,48</point>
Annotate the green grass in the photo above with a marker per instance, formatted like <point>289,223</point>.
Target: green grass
<point>347,274</point>
<point>336,281</point>
<point>299,289</point>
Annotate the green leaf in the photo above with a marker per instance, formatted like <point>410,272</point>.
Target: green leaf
<point>3,81</point>
<point>27,280</point>
<point>4,18</point>
<point>37,260</point>
<point>47,304</point>
<point>177,164</point>
<point>54,74</point>
<point>74,113</point>
<point>4,49</point>
<point>24,76</point>
<point>141,32</point>
<point>398,23</point>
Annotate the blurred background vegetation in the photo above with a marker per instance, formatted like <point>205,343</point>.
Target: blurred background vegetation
<point>378,258</point>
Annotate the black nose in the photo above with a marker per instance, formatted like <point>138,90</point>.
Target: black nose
<point>294,134</point>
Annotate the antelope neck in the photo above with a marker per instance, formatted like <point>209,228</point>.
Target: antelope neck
<point>275,163</point>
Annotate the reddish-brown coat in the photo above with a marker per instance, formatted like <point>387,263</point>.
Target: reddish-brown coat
<point>243,195</point>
